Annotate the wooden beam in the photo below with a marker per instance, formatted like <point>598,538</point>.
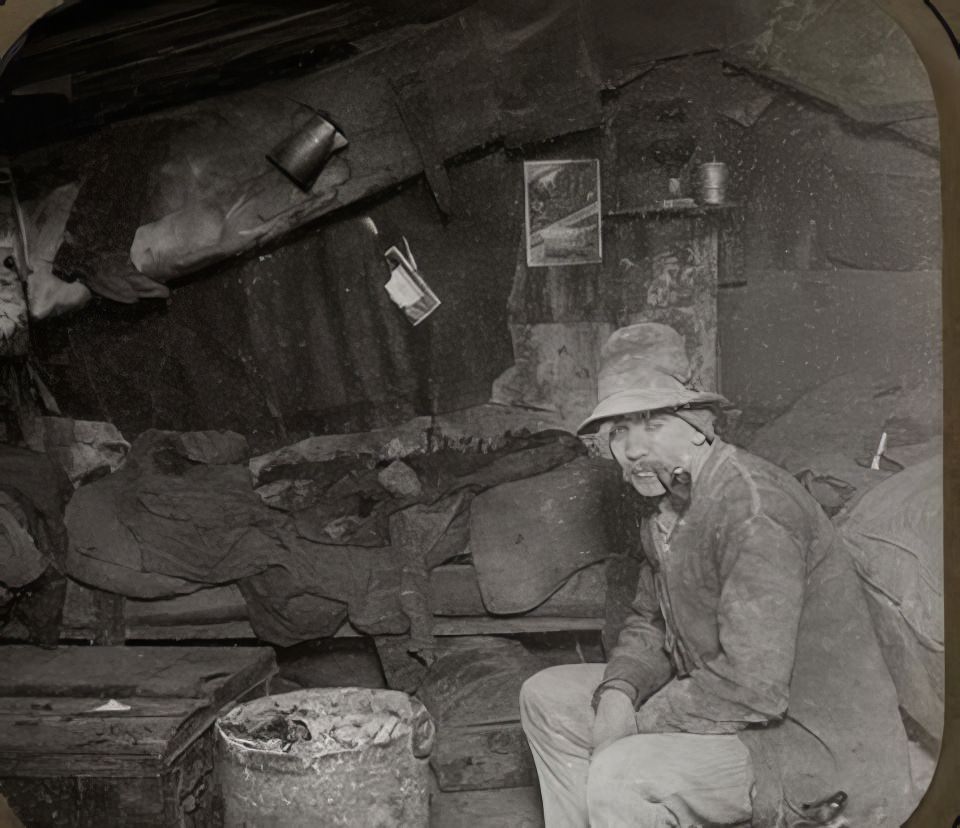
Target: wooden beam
<point>512,625</point>
<point>494,625</point>
<point>137,59</point>
<point>243,54</point>
<point>415,111</point>
<point>109,626</point>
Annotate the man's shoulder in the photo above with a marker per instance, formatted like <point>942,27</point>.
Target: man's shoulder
<point>736,464</point>
<point>741,475</point>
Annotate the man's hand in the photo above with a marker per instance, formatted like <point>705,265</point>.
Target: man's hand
<point>614,719</point>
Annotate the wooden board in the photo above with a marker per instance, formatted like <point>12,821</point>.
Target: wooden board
<point>473,692</point>
<point>516,807</point>
<point>48,721</point>
<point>219,613</point>
<point>114,672</point>
<point>483,756</point>
<point>47,736</point>
<point>130,59</point>
<point>183,796</point>
<point>513,625</point>
<point>454,591</point>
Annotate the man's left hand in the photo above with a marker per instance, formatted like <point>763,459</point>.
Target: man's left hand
<point>615,719</point>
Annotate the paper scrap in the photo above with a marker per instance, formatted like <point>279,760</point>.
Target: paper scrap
<point>407,288</point>
<point>112,706</point>
<point>401,289</point>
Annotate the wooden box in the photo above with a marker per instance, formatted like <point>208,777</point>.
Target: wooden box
<point>473,692</point>
<point>144,760</point>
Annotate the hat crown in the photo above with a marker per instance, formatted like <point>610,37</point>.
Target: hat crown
<point>644,356</point>
<point>644,367</point>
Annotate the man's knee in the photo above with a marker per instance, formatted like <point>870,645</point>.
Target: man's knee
<point>638,774</point>
<point>620,792</point>
<point>623,762</point>
<point>535,696</point>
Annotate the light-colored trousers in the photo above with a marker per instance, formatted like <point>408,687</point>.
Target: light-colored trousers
<point>643,781</point>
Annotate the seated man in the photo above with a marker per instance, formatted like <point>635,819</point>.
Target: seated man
<point>747,685</point>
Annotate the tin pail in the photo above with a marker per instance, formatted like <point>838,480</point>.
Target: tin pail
<point>713,182</point>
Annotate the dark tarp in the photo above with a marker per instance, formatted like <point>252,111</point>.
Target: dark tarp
<point>33,491</point>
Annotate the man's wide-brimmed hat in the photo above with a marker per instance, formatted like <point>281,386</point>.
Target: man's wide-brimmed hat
<point>644,367</point>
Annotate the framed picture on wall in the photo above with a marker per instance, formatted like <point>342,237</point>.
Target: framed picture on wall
<point>562,202</point>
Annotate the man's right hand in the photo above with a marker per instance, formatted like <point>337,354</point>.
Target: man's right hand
<point>614,719</point>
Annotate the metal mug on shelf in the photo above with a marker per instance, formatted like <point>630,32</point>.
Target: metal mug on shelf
<point>713,182</point>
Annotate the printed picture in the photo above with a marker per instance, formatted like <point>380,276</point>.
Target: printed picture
<point>562,212</point>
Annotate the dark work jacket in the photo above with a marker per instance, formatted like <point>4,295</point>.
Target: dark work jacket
<point>760,629</point>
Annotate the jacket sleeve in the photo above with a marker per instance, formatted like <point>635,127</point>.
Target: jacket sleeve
<point>762,571</point>
<point>639,658</point>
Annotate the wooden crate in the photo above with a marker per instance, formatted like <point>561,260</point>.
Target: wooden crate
<point>473,692</point>
<point>64,763</point>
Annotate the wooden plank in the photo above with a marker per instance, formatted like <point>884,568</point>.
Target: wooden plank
<point>482,756</point>
<point>200,631</point>
<point>121,22</point>
<point>108,40</point>
<point>214,605</point>
<point>187,672</point>
<point>414,108</point>
<point>174,694</point>
<point>490,625</point>
<point>182,795</point>
<point>493,625</point>
<point>108,618</point>
<point>211,614</point>
<point>454,591</point>
<point>71,739</point>
<point>53,708</point>
<point>121,63</point>
<point>226,631</point>
<point>516,807</point>
<point>88,802</point>
<point>230,57</point>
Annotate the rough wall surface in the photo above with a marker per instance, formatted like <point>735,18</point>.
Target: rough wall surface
<point>259,345</point>
<point>304,339</point>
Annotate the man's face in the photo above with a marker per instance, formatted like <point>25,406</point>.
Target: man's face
<point>649,448</point>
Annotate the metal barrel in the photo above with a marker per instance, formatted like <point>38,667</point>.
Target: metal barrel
<point>334,757</point>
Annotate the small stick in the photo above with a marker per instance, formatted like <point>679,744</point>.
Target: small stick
<point>881,448</point>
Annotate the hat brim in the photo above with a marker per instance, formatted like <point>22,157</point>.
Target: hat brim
<point>636,402</point>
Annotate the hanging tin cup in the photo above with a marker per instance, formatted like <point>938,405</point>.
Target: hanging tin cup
<point>302,155</point>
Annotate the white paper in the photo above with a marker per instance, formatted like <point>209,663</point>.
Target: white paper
<point>112,706</point>
<point>401,289</point>
<point>407,288</point>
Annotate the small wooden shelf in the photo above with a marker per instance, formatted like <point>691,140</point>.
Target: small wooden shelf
<point>660,211</point>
